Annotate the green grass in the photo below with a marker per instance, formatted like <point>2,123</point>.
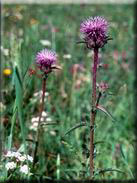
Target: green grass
<point>23,28</point>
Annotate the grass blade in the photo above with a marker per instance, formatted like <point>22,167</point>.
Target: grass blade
<point>19,102</point>
<point>58,166</point>
<point>125,161</point>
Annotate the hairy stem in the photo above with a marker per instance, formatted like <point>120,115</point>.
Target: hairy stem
<point>39,123</point>
<point>93,111</point>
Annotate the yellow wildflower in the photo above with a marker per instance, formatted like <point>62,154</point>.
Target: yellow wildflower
<point>7,72</point>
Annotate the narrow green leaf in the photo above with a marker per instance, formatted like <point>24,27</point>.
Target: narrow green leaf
<point>13,120</point>
<point>125,161</point>
<point>110,170</point>
<point>75,127</point>
<point>105,111</point>
<point>18,89</point>
<point>48,123</point>
<point>70,147</point>
<point>1,144</point>
<point>14,116</point>
<point>19,104</point>
<point>18,82</point>
<point>122,153</point>
<point>58,166</point>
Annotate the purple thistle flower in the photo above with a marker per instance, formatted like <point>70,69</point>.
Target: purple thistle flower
<point>95,32</point>
<point>45,59</point>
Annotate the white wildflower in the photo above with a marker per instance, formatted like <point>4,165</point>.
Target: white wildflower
<point>34,126</point>
<point>44,114</point>
<point>22,158</point>
<point>90,54</point>
<point>42,119</point>
<point>10,165</point>
<point>5,51</point>
<point>30,158</point>
<point>48,119</point>
<point>9,154</point>
<point>46,94</point>
<point>45,42</point>
<point>35,119</point>
<point>53,133</point>
<point>17,154</point>
<point>67,56</point>
<point>2,106</point>
<point>24,169</point>
<point>39,94</point>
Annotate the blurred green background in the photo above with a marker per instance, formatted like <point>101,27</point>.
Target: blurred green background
<point>29,28</point>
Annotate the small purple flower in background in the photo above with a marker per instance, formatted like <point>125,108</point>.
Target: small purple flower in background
<point>45,59</point>
<point>95,32</point>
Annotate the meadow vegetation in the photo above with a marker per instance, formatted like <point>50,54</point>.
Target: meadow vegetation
<point>28,29</point>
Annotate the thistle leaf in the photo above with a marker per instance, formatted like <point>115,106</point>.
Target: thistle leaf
<point>75,127</point>
<point>105,111</point>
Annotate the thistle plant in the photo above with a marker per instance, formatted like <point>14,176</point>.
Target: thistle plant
<point>95,36</point>
<point>45,60</point>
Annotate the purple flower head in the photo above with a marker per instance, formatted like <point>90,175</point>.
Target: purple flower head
<point>45,59</point>
<point>95,31</point>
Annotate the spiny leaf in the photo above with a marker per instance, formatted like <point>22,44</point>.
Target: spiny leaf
<point>75,127</point>
<point>105,111</point>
